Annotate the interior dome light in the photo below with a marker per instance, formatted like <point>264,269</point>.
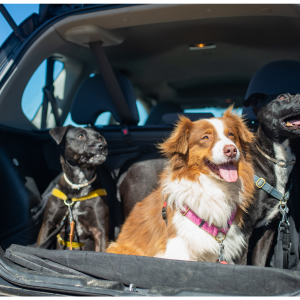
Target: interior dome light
<point>202,46</point>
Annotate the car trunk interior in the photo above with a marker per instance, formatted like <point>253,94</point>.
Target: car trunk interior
<point>148,44</point>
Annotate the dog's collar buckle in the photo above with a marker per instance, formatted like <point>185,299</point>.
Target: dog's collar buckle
<point>75,187</point>
<point>282,163</point>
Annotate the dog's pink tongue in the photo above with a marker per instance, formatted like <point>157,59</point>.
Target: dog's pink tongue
<point>295,122</point>
<point>228,172</point>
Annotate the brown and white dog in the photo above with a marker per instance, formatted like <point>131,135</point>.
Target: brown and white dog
<point>209,170</point>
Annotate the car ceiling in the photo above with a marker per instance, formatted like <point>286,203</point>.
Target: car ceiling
<point>158,61</point>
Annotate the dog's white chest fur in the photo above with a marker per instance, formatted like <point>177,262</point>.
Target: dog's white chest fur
<point>214,201</point>
<point>282,152</point>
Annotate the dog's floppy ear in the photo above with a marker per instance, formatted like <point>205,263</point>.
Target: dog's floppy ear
<point>59,132</point>
<point>178,141</point>
<point>254,99</point>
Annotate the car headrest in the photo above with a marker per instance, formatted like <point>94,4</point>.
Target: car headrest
<point>282,76</point>
<point>172,118</point>
<point>161,108</point>
<point>93,98</point>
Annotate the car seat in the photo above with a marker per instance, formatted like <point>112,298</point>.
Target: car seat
<point>161,108</point>
<point>275,77</point>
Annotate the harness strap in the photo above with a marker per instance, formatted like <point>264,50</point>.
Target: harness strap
<point>284,238</point>
<point>164,212</point>
<point>59,194</point>
<point>262,184</point>
<point>211,229</point>
<point>68,244</point>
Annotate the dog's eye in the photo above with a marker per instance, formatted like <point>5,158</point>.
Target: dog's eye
<point>230,135</point>
<point>205,138</point>
<point>282,97</point>
<point>81,136</point>
<point>100,138</point>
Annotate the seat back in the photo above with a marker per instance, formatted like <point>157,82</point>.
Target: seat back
<point>93,98</point>
<point>276,77</point>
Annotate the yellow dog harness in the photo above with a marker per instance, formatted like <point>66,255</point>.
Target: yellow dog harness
<point>59,194</point>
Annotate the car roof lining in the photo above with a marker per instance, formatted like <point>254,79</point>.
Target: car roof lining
<point>158,36</point>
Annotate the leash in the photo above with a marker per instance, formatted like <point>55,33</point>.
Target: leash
<point>75,186</point>
<point>283,239</point>
<point>201,223</point>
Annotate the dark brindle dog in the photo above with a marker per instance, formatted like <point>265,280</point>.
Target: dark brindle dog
<point>274,153</point>
<point>82,150</point>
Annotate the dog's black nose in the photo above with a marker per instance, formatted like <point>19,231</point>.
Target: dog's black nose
<point>230,150</point>
<point>100,147</point>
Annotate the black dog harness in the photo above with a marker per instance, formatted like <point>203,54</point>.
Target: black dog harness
<point>283,239</point>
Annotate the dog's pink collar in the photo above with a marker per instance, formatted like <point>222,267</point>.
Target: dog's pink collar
<point>212,229</point>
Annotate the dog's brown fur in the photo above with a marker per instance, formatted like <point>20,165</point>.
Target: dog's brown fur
<point>145,232</point>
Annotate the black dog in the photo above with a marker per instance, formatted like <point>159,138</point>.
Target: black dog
<point>82,150</point>
<point>274,153</point>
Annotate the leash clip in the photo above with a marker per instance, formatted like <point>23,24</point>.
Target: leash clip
<point>284,211</point>
<point>69,203</point>
<point>221,259</point>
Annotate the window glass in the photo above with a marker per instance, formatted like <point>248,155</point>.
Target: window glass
<point>19,12</point>
<point>102,120</point>
<point>142,113</point>
<point>216,111</point>
<point>33,94</point>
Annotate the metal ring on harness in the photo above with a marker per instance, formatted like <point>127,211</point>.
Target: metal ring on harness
<point>220,240</point>
<point>68,203</point>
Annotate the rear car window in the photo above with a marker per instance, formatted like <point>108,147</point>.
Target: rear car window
<point>33,94</point>
<point>216,111</point>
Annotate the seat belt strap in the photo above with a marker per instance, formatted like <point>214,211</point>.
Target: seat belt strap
<point>111,82</point>
<point>49,95</point>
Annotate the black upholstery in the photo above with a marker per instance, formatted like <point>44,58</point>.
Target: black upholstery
<point>161,108</point>
<point>172,118</point>
<point>24,175</point>
<point>92,99</point>
<point>276,77</point>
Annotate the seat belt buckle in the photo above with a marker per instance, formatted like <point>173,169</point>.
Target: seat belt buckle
<point>124,129</point>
